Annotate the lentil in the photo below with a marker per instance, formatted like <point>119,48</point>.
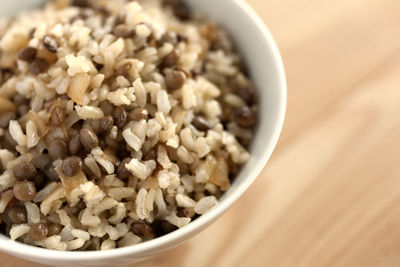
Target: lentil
<point>247,94</point>
<point>142,229</point>
<point>24,191</point>
<point>162,227</point>
<point>23,109</point>
<point>24,171</point>
<point>152,154</point>
<point>5,119</point>
<point>38,232</point>
<point>80,3</point>
<point>38,66</point>
<point>27,54</point>
<point>245,117</point>
<point>182,38</point>
<point>54,229</point>
<point>122,171</point>
<point>17,215</point>
<point>88,139</point>
<point>58,149</point>
<point>120,117</point>
<point>50,172</point>
<point>38,180</point>
<point>71,166</point>
<point>50,43</point>
<point>201,124</point>
<point>74,144</point>
<point>9,142</point>
<point>106,124</point>
<point>169,37</point>
<point>170,60</point>
<point>122,31</point>
<point>175,80</point>
<point>138,114</point>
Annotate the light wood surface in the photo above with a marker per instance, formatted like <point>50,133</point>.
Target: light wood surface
<point>330,194</point>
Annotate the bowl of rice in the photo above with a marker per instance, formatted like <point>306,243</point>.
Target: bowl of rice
<point>126,127</point>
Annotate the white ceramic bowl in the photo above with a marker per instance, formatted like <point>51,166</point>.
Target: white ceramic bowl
<point>265,65</point>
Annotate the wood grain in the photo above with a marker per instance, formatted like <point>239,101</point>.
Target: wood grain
<point>330,194</point>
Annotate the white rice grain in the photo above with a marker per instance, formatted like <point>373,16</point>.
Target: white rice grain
<point>77,64</point>
<point>205,204</point>
<point>33,212</point>
<point>139,169</point>
<point>163,103</point>
<point>16,133</point>
<point>19,230</point>
<point>129,239</point>
<point>89,112</point>
<point>31,134</point>
<point>108,244</point>
<point>131,139</point>
<point>184,201</point>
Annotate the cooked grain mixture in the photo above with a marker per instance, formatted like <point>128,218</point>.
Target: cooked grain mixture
<point>120,121</point>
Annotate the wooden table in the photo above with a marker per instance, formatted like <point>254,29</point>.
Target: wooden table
<point>330,194</point>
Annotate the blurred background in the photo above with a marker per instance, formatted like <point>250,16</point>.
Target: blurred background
<point>330,194</point>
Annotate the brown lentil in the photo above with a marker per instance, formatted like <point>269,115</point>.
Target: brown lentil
<point>120,117</point>
<point>98,65</point>
<point>182,38</point>
<point>122,31</point>
<point>170,60</point>
<point>50,43</point>
<point>245,117</point>
<point>58,149</point>
<point>27,54</point>
<point>5,119</point>
<point>163,227</point>
<point>57,116</point>
<point>24,191</point>
<point>74,144</point>
<point>38,232</point>
<point>50,173</point>
<point>142,229</point>
<point>38,180</point>
<point>247,94</point>
<point>138,114</point>
<point>169,37</point>
<point>88,139</point>
<point>23,109</point>
<point>123,70</point>
<point>71,166</point>
<point>106,107</point>
<point>120,19</point>
<point>80,3</point>
<point>174,80</point>
<point>106,124</point>
<point>19,99</point>
<point>54,229</point>
<point>24,171</point>
<point>17,215</point>
<point>38,66</point>
<point>152,154</point>
<point>9,142</point>
<point>201,124</point>
<point>122,171</point>
<point>181,10</point>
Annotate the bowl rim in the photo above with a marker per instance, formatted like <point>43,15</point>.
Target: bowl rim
<point>13,247</point>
